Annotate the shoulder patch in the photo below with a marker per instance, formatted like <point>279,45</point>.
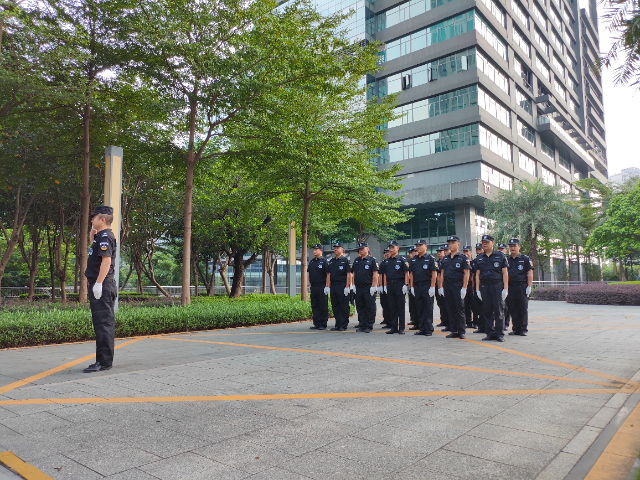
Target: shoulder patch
<point>104,245</point>
<point>105,234</point>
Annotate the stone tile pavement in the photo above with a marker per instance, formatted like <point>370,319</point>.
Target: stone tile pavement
<point>284,402</point>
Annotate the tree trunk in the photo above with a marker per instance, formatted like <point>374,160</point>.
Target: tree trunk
<point>615,267</point>
<point>264,270</point>
<point>533,249</point>
<point>238,275</point>
<point>195,275</point>
<point>51,264</point>
<point>31,256</point>
<point>85,203</point>
<point>578,262</point>
<point>212,285</point>
<point>223,272</point>
<point>126,280</point>
<point>305,235</point>
<point>204,276</point>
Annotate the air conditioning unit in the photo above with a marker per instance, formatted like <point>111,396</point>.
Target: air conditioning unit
<point>406,82</point>
<point>430,77</point>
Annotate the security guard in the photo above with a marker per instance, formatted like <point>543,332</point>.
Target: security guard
<point>338,282</point>
<point>468,299</point>
<point>102,286</point>
<point>492,278</point>
<point>365,276</point>
<point>441,282</point>
<point>318,268</point>
<point>478,316</point>
<point>395,284</point>
<point>507,315</point>
<point>412,300</point>
<point>520,281</point>
<point>455,279</point>
<point>423,274</point>
<point>384,300</point>
<point>444,317</point>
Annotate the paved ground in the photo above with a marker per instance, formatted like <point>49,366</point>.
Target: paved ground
<point>284,402</point>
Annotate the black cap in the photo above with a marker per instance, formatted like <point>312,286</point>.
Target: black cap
<point>445,247</point>
<point>453,238</point>
<point>412,249</point>
<point>440,249</point>
<point>487,237</point>
<point>102,210</point>
<point>478,245</point>
<point>317,245</point>
<point>502,245</point>
<point>386,250</point>
<point>337,244</point>
<point>362,245</point>
<point>421,242</point>
<point>514,241</point>
<point>393,243</point>
<point>466,247</point>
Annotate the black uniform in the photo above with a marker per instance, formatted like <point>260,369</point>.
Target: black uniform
<point>468,300</point>
<point>318,269</point>
<point>102,314</point>
<point>339,268</point>
<point>517,300</point>
<point>476,304</point>
<point>396,268</point>
<point>422,268</point>
<point>453,268</point>
<point>491,286</point>
<point>442,306</point>
<point>384,299</point>
<point>363,269</point>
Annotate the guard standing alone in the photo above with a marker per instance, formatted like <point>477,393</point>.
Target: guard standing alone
<point>338,283</point>
<point>396,281</point>
<point>455,272</point>
<point>492,278</point>
<point>423,274</point>
<point>520,281</point>
<point>365,276</point>
<point>102,286</point>
<point>318,268</point>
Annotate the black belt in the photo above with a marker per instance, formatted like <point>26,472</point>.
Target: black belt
<point>490,282</point>
<point>425,282</point>
<point>359,285</point>
<point>394,282</point>
<point>454,280</point>
<point>518,282</point>
<point>321,284</point>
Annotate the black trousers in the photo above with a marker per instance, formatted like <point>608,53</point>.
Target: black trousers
<point>507,314</point>
<point>468,300</point>
<point>444,316</point>
<point>478,315</point>
<point>384,303</point>
<point>518,304</point>
<point>455,306</point>
<point>424,307</point>
<point>340,305</point>
<point>319,306</point>
<point>365,306</point>
<point>492,308</point>
<point>412,310</point>
<point>396,306</point>
<point>104,320</point>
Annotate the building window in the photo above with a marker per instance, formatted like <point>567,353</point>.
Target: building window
<point>558,64</point>
<point>556,40</point>
<point>541,41</point>
<point>564,163</point>
<point>432,224</point>
<point>524,101</point>
<point>547,150</point>
<point>555,18</point>
<point>527,164</point>
<point>497,145</point>
<point>572,84</point>
<point>565,187</point>
<point>521,42</point>
<point>496,11</point>
<point>494,108</point>
<point>573,105</point>
<point>520,13</point>
<point>403,12</point>
<point>495,178</point>
<point>566,37</point>
<point>491,71</point>
<point>548,176</point>
<point>491,36</point>
<point>539,15</point>
<point>542,68</point>
<point>559,88</point>
<point>526,133</point>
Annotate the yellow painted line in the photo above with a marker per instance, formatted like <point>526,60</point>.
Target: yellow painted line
<point>299,396</point>
<point>29,472</point>
<point>618,457</point>
<point>552,362</point>
<point>32,378</point>
<point>394,360</point>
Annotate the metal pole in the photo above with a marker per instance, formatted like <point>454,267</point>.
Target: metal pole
<point>113,198</point>
<point>292,259</point>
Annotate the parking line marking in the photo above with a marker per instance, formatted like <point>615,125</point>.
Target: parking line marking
<point>29,472</point>
<point>407,362</point>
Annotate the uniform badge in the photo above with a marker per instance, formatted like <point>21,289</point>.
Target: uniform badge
<point>105,234</point>
<point>397,267</point>
<point>366,267</point>
<point>520,267</point>
<point>320,266</point>
<point>90,250</point>
<point>104,245</point>
<point>425,266</point>
<point>457,265</point>
<point>496,264</point>
<point>340,267</point>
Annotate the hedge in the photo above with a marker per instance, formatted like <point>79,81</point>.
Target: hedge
<point>548,293</point>
<point>21,327</point>
<point>592,294</point>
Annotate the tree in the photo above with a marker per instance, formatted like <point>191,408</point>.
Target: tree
<point>533,211</point>
<point>624,21</point>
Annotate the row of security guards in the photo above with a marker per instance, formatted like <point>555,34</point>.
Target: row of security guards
<point>470,292</point>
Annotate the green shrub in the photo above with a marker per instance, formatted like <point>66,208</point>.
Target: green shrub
<point>36,296</point>
<point>548,293</point>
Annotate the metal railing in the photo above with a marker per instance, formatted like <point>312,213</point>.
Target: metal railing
<point>560,283</point>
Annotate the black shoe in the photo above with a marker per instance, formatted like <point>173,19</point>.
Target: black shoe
<point>401,332</point>
<point>462,336</point>
<point>393,330</point>
<point>361,329</point>
<point>428,334</point>
<point>96,367</point>
<point>523,334</point>
<point>386,326</point>
<point>358,326</point>
<point>479,331</point>
<point>488,338</point>
<point>322,328</point>
<point>445,330</point>
<point>440,325</point>
<point>414,328</point>
<point>419,332</point>
<point>341,329</point>
<point>513,333</point>
<point>410,323</point>
<point>499,339</point>
<point>334,329</point>
<point>314,328</point>
<point>367,330</point>
<point>452,335</point>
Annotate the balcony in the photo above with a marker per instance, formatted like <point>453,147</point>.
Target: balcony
<point>553,133</point>
<point>590,29</point>
<point>599,140</point>
<point>594,116</point>
<point>593,95</point>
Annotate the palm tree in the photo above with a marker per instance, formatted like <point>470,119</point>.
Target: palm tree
<point>534,211</point>
<point>624,20</point>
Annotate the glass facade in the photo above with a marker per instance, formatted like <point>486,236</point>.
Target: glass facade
<point>547,150</point>
<point>401,13</point>
<point>548,176</point>
<point>526,133</point>
<point>496,178</point>
<point>520,12</point>
<point>521,42</point>
<point>524,101</point>
<point>493,142</point>
<point>431,224</point>
<point>527,164</point>
<point>355,25</point>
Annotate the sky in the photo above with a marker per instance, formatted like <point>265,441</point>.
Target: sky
<point>621,111</point>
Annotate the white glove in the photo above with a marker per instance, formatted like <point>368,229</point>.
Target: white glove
<point>413,291</point>
<point>432,291</point>
<point>463,293</point>
<point>346,291</point>
<point>380,290</point>
<point>353,287</point>
<point>528,291</point>
<point>505,292</point>
<point>373,291</point>
<point>441,292</point>
<point>479,295</point>
<point>97,290</point>
<point>327,290</point>
<point>385,289</point>
<point>405,290</point>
